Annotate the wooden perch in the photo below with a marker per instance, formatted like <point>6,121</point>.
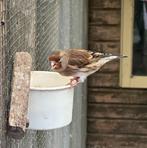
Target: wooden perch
<point>17,121</point>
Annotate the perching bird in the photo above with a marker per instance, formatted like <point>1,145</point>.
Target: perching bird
<point>79,63</point>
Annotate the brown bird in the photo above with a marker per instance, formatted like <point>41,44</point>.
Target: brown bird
<point>79,63</point>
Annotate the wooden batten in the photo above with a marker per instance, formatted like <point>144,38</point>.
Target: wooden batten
<point>18,121</point>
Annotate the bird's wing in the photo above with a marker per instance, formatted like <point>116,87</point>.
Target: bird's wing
<point>96,65</point>
<point>82,58</point>
<point>64,60</point>
<point>79,57</point>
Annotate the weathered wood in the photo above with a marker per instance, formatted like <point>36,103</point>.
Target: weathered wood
<point>101,33</point>
<point>2,77</point>
<point>111,126</point>
<point>26,142</point>
<point>103,4</point>
<point>103,80</point>
<point>104,17</point>
<point>20,95</point>
<point>111,67</point>
<point>123,96</point>
<point>116,141</point>
<point>116,117</point>
<point>109,47</point>
<point>117,111</point>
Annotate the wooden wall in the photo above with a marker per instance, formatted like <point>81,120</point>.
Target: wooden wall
<point>117,118</point>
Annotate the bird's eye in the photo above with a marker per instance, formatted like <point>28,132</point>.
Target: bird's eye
<point>60,60</point>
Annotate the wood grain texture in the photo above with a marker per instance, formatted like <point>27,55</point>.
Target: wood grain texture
<point>101,33</point>
<point>111,67</point>
<point>20,95</point>
<point>104,17</point>
<point>2,78</point>
<point>108,47</point>
<point>101,4</point>
<point>117,96</point>
<point>117,111</point>
<point>103,80</point>
<point>116,141</point>
<point>116,116</point>
<point>120,126</point>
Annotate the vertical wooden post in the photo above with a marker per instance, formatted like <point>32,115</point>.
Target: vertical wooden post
<point>2,76</point>
<point>20,95</point>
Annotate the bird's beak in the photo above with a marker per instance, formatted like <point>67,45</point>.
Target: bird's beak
<point>53,65</point>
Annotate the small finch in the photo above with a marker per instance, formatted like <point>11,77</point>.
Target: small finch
<point>79,63</point>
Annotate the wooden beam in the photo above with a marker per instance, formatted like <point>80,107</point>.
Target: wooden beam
<point>117,111</point>
<point>2,75</point>
<point>20,94</point>
<point>117,126</point>
<point>117,96</point>
<point>116,141</point>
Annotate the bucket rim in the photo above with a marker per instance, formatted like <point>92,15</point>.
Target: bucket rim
<point>34,88</point>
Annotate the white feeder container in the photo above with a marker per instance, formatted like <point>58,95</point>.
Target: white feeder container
<point>51,101</point>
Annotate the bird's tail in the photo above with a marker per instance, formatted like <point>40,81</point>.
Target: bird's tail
<point>108,58</point>
<point>102,55</point>
<point>95,66</point>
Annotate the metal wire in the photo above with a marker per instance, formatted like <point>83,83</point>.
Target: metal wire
<point>30,26</point>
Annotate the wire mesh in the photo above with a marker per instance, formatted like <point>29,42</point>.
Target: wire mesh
<point>47,31</point>
<point>30,26</point>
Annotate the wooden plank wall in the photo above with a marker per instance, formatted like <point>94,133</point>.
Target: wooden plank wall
<point>117,118</point>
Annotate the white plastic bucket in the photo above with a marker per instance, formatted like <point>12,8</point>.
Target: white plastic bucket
<point>51,101</point>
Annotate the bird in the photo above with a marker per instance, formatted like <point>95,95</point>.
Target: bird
<point>79,63</point>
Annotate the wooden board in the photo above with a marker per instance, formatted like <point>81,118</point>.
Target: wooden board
<point>116,141</point>
<point>20,95</point>
<point>117,111</point>
<point>103,80</point>
<point>2,77</point>
<point>101,33</point>
<point>107,17</point>
<point>101,4</point>
<point>118,96</point>
<point>119,126</point>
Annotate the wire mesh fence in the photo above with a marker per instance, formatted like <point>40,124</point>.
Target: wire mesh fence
<point>30,26</point>
<point>40,27</point>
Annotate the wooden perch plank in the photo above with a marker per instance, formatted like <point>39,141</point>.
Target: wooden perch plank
<point>20,95</point>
